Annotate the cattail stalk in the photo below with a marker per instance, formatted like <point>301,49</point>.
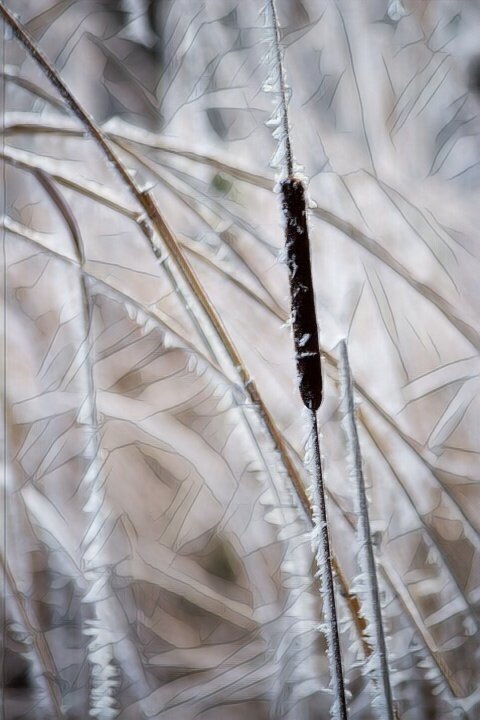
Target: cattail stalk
<point>378,661</point>
<point>309,370</point>
<point>307,354</point>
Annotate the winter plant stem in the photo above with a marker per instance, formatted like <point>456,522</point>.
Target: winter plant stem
<point>368,569</point>
<point>283,90</point>
<point>324,561</point>
<point>309,370</point>
<point>307,354</point>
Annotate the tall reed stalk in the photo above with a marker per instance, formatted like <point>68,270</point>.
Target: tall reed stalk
<point>309,370</point>
<point>378,662</point>
<point>308,360</point>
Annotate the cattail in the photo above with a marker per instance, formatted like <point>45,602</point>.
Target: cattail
<point>304,322</point>
<point>307,354</point>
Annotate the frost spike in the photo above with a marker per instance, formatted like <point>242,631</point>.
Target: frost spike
<point>285,128</point>
<point>379,662</point>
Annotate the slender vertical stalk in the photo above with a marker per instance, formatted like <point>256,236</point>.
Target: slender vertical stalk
<point>378,660</point>
<point>307,355</point>
<point>283,90</point>
<point>104,681</point>
<point>154,223</point>
<point>324,561</point>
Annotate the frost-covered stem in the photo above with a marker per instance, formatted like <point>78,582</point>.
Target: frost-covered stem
<point>283,89</point>
<point>324,562</point>
<point>366,555</point>
<point>100,653</point>
<point>309,369</point>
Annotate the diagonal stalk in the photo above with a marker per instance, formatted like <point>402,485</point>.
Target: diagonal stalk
<point>156,223</point>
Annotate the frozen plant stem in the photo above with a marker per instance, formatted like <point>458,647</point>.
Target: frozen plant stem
<point>378,661</point>
<point>283,90</point>
<point>307,353</point>
<point>324,561</point>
